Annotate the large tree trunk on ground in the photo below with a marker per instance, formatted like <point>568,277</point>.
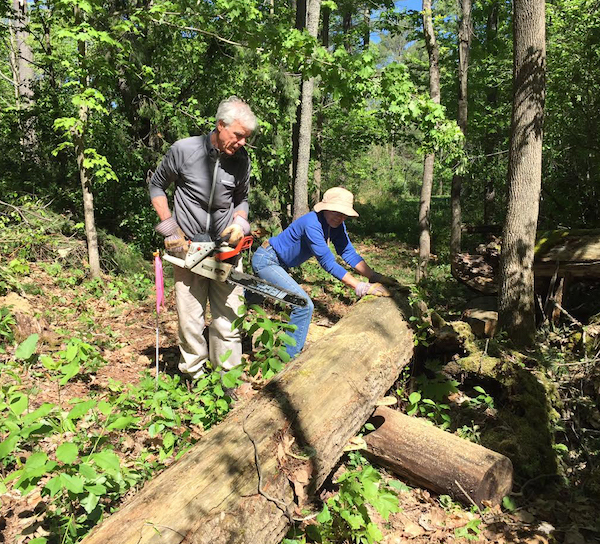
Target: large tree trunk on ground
<point>516,308</point>
<point>438,460</point>
<point>211,495</point>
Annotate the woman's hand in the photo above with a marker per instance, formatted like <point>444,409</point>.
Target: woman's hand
<point>364,288</point>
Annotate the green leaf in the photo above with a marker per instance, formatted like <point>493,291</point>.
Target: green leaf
<point>68,371</point>
<point>414,397</point>
<point>122,422</point>
<point>373,533</point>
<point>72,483</point>
<point>107,460</point>
<point>27,348</point>
<point>90,502</point>
<point>54,485</point>
<point>41,412</point>
<point>324,516</point>
<point>8,446</point>
<point>225,356</point>
<point>105,407</point>
<point>80,409</point>
<point>18,404</point>
<point>87,472</point>
<point>67,452</point>
<point>509,504</point>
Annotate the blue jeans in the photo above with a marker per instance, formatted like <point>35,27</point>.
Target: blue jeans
<point>266,265</point>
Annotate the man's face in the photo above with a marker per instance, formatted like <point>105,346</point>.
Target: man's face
<point>334,219</point>
<point>231,138</point>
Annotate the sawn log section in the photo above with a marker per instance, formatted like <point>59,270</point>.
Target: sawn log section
<point>211,495</point>
<point>438,460</point>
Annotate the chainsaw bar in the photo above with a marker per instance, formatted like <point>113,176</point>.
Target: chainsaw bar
<point>224,272</point>
<point>265,288</point>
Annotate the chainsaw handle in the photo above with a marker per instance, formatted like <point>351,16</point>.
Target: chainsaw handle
<point>244,243</point>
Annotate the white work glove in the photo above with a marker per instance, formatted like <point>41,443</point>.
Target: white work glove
<point>175,241</point>
<point>236,231</point>
<point>364,288</point>
<point>380,278</point>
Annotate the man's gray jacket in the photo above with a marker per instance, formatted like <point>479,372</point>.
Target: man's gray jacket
<point>189,165</point>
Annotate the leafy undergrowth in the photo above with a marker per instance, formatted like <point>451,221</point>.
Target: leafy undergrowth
<point>85,421</point>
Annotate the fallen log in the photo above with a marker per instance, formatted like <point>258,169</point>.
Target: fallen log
<point>240,482</point>
<point>438,460</point>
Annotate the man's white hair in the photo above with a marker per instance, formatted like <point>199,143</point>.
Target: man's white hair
<point>235,109</point>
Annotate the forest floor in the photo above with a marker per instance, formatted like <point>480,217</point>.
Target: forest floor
<point>125,330</point>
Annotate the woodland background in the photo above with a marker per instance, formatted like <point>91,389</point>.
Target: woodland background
<point>93,93</point>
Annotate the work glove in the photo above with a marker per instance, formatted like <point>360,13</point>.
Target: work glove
<point>380,278</point>
<point>236,231</point>
<point>376,289</point>
<point>175,241</point>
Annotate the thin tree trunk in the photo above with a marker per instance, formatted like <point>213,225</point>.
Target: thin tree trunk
<point>464,44</point>
<point>367,34</point>
<point>516,296</point>
<point>302,161</point>
<point>21,61</point>
<point>22,56</point>
<point>428,164</point>
<point>424,217</point>
<point>84,175</point>
<point>491,139</point>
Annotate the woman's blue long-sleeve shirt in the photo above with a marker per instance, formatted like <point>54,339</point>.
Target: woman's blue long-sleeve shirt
<point>308,236</point>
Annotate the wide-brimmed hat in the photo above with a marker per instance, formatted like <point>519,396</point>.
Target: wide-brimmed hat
<point>337,199</point>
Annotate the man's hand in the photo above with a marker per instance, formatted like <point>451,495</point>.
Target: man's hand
<point>235,234</point>
<point>175,241</point>
<point>237,230</point>
<point>364,288</point>
<point>380,278</point>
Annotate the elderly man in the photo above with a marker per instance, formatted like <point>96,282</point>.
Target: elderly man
<point>211,176</point>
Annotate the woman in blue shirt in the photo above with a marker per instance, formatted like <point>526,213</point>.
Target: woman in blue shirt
<point>310,236</point>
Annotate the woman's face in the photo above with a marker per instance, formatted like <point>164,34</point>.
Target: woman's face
<point>334,219</point>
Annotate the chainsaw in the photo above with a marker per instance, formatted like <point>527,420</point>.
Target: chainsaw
<point>212,259</point>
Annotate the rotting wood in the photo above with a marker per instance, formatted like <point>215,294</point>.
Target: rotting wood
<point>316,404</point>
<point>438,460</point>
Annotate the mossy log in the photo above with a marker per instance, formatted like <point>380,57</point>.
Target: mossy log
<point>241,483</point>
<point>438,460</point>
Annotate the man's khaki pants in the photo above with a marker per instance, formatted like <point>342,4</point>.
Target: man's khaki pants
<point>191,295</point>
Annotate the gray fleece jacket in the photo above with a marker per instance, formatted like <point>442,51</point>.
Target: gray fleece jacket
<point>189,165</point>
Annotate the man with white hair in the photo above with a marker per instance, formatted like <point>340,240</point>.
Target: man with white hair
<point>211,175</point>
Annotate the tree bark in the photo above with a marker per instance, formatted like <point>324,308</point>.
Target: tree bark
<point>22,57</point>
<point>304,121</point>
<point>428,164</point>
<point>516,305</point>
<point>84,174</point>
<point>464,45</point>
<point>438,460</point>
<point>314,406</point>
<point>491,139</point>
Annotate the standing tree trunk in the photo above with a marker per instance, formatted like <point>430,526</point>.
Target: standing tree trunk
<point>464,44</point>
<point>21,60</point>
<point>84,174</point>
<point>516,309</point>
<point>304,122</point>
<point>21,54</point>
<point>428,165</point>
<point>491,139</point>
